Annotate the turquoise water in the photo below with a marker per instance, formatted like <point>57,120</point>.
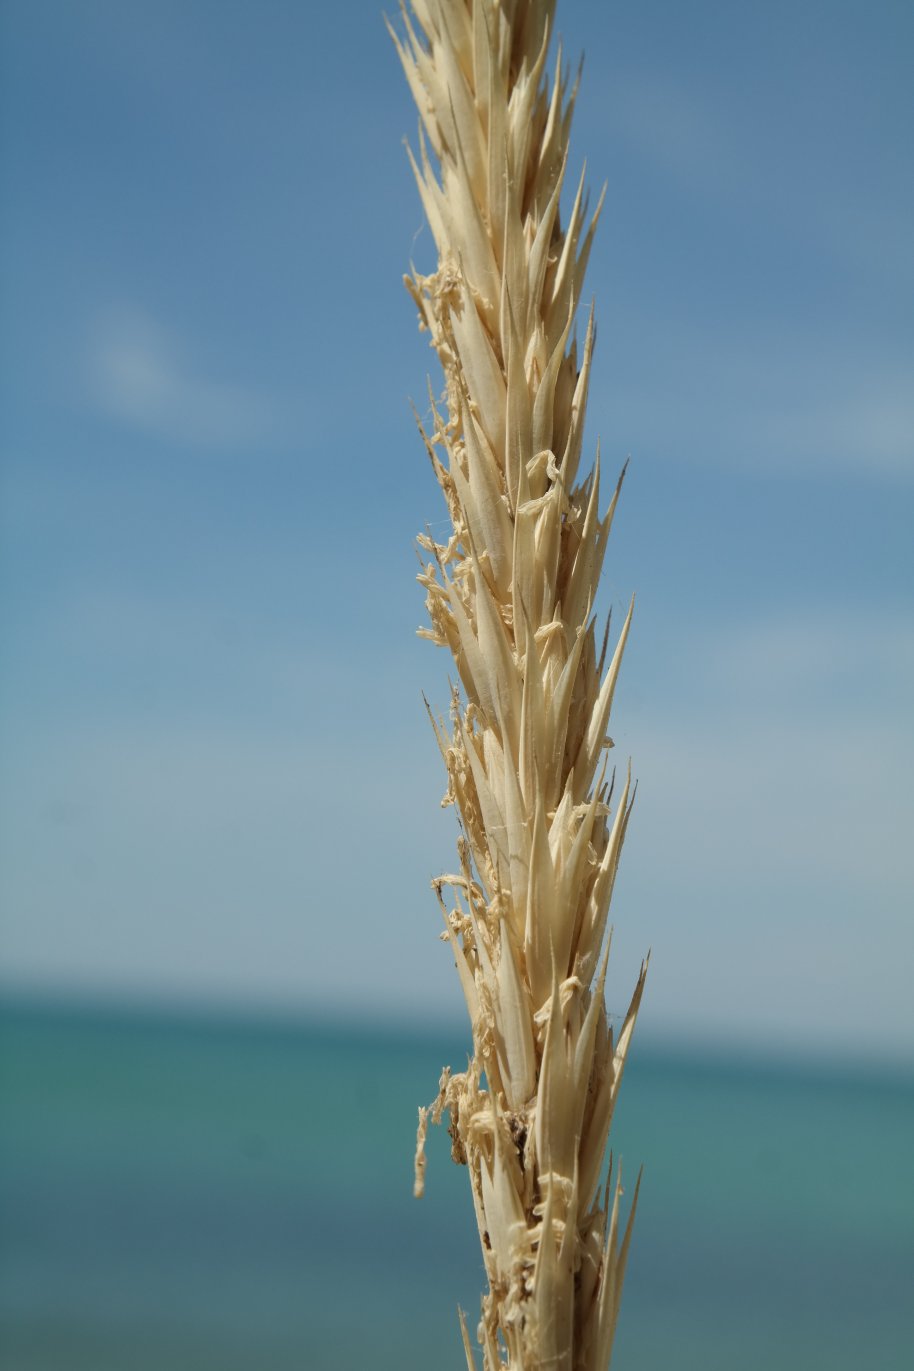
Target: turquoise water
<point>186,1196</point>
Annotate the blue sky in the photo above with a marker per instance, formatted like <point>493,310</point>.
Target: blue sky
<point>218,785</point>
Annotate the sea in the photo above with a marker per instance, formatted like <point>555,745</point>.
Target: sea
<point>186,1192</point>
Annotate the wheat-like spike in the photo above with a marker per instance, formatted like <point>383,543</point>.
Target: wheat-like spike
<point>510,593</point>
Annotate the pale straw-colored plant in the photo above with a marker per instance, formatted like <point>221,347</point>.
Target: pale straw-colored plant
<point>510,591</point>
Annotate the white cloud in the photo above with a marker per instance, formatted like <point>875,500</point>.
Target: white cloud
<point>230,862</point>
<point>242,856</point>
<point>787,399</point>
<point>139,374</point>
<point>721,151</point>
<point>851,423</point>
<point>668,125</point>
<point>814,652</point>
<point>797,376</point>
<point>769,800</point>
<point>768,859</point>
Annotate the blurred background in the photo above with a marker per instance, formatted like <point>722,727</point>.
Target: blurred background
<point>222,993</point>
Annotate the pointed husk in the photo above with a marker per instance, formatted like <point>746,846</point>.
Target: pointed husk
<point>510,593</point>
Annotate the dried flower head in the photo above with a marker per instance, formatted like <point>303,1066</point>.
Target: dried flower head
<point>511,593</point>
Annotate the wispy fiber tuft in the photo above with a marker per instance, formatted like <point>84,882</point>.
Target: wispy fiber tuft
<point>511,594</point>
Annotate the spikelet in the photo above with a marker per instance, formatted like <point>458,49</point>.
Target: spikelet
<point>511,593</point>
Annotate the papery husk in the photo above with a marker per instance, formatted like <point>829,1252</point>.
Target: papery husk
<point>510,593</point>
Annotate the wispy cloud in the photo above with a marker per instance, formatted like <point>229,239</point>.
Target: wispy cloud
<point>819,653</point>
<point>769,858</point>
<point>140,374</point>
<point>786,401</point>
<point>770,826</point>
<point>785,373</point>
<point>727,153</point>
<point>869,425</point>
<point>668,125</point>
<point>786,753</point>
